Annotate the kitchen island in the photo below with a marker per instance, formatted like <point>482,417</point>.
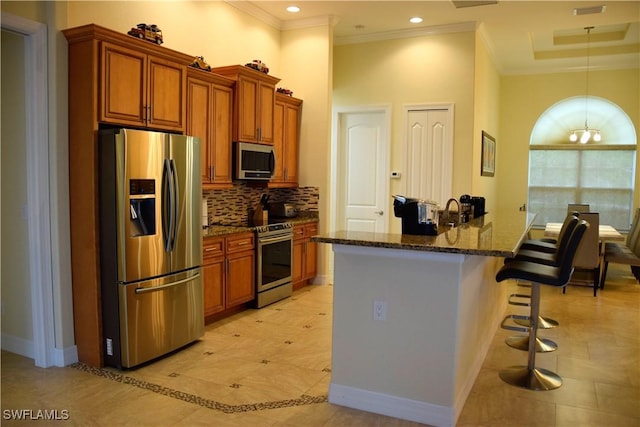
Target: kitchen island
<point>414,316</point>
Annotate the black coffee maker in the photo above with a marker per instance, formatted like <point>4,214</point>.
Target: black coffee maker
<point>472,207</point>
<point>418,216</point>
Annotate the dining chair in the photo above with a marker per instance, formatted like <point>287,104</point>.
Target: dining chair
<point>588,255</point>
<point>577,207</point>
<point>627,253</point>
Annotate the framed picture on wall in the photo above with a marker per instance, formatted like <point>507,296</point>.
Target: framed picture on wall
<point>488,166</point>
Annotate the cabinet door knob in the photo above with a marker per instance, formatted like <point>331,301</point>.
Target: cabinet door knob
<point>379,213</point>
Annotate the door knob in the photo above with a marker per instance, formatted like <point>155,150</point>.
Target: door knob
<point>379,213</point>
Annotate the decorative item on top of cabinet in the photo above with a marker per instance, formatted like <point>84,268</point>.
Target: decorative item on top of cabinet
<point>287,114</point>
<point>209,117</point>
<point>284,91</point>
<point>200,63</point>
<point>304,254</point>
<point>228,268</point>
<point>254,103</point>
<point>148,32</point>
<point>258,65</point>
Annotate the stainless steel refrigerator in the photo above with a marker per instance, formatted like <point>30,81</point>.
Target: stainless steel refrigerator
<point>150,244</point>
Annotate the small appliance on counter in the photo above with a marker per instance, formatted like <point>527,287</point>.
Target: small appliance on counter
<point>418,216</point>
<point>472,207</point>
<point>283,210</point>
<point>478,206</point>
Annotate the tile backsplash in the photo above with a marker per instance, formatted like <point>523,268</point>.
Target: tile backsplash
<point>232,206</point>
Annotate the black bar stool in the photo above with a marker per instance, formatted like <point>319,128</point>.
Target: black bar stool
<point>529,376</point>
<point>538,251</point>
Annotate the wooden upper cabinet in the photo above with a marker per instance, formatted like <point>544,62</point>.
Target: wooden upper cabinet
<point>138,89</point>
<point>209,117</point>
<point>287,115</point>
<point>253,104</point>
<point>266,104</point>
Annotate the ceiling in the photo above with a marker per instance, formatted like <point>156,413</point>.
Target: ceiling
<point>522,36</point>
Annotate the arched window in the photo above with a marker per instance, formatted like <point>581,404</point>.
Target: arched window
<point>601,174</point>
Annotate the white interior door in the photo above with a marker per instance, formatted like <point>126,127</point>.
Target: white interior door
<point>429,153</point>
<point>362,160</point>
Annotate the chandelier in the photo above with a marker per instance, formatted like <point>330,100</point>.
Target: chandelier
<point>586,134</point>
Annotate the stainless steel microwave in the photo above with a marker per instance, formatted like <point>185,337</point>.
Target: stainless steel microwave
<point>253,161</point>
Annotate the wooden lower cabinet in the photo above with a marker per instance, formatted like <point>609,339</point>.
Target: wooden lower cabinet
<point>305,265</point>
<point>228,269</point>
<point>240,278</point>
<point>213,273</point>
<point>213,281</point>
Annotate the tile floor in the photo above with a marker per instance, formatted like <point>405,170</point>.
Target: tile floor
<point>272,367</point>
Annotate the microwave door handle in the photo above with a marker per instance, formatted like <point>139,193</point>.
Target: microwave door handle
<point>272,162</point>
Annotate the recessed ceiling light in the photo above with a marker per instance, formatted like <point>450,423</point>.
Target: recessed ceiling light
<point>293,9</point>
<point>415,20</point>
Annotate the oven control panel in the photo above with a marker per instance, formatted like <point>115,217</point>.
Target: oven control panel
<point>262,229</point>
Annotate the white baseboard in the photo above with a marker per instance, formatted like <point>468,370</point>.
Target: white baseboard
<point>321,280</point>
<point>59,357</point>
<point>18,345</point>
<point>65,356</point>
<point>392,406</point>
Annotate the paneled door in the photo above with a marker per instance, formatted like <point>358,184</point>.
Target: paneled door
<point>363,149</point>
<point>429,153</point>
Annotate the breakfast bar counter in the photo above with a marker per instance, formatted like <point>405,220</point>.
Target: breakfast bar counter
<point>414,315</point>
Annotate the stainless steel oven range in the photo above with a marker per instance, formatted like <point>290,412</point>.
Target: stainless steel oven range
<point>274,260</point>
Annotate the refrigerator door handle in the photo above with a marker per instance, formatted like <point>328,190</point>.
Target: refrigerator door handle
<point>174,205</point>
<point>166,206</point>
<point>168,285</point>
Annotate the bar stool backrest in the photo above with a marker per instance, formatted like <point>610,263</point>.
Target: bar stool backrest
<point>568,224</point>
<point>564,236</point>
<point>568,255</point>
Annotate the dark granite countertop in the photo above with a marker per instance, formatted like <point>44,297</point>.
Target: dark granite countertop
<point>497,235</point>
<point>224,230</point>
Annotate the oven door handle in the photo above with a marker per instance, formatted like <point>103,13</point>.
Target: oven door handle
<point>274,239</point>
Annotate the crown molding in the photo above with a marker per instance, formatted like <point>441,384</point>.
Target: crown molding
<point>252,10</point>
<point>412,32</point>
<point>317,21</point>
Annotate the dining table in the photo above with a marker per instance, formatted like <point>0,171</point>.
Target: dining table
<point>605,232</point>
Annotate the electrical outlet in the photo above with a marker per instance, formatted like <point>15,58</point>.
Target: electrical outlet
<point>379,310</point>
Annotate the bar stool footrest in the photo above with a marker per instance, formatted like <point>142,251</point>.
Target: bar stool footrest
<point>543,322</point>
<point>515,317</point>
<point>537,379</point>
<point>513,301</point>
<point>543,345</point>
